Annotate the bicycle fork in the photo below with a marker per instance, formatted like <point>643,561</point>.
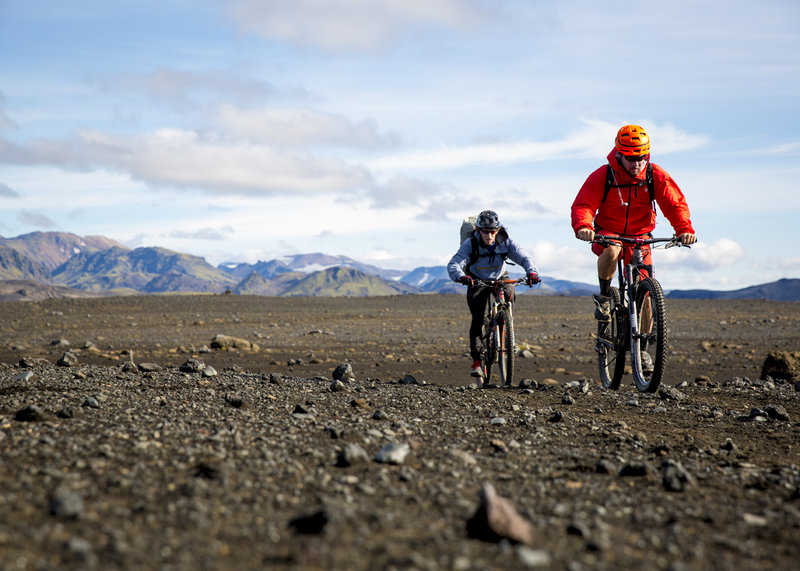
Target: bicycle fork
<point>634,335</point>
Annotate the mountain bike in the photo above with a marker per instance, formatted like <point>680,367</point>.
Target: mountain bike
<point>497,336</point>
<point>638,319</point>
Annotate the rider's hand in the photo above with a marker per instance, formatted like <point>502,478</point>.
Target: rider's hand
<point>466,280</point>
<point>687,238</point>
<point>533,278</point>
<point>585,234</point>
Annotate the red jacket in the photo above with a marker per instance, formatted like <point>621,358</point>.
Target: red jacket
<point>627,211</point>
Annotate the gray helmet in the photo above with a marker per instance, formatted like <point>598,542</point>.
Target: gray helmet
<point>488,219</point>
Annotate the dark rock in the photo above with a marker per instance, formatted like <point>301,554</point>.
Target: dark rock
<point>211,470</point>
<point>30,413</point>
<point>68,359</point>
<point>496,519</point>
<point>782,365</point>
<point>344,373</point>
<point>671,393</point>
<point>635,469</point>
<point>67,504</point>
<point>605,466</point>
<point>192,366</point>
<point>227,343</point>
<point>351,455</point>
<point>409,380</point>
<point>310,524</point>
<point>777,412</point>
<point>66,412</point>
<point>28,362</point>
<point>675,477</point>
<point>334,432</point>
<point>236,401</point>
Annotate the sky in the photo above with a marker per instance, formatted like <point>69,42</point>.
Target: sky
<point>246,130</point>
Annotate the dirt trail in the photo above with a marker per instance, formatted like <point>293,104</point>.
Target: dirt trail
<point>131,459</point>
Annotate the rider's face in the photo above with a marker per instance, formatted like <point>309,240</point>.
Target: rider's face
<point>633,166</point>
<point>488,236</point>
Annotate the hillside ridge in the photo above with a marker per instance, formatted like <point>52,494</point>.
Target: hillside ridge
<point>100,265</point>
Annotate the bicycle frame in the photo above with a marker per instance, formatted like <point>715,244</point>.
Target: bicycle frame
<point>498,337</point>
<point>637,286</point>
<point>629,275</point>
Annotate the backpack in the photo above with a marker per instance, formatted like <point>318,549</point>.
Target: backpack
<point>468,227</point>
<point>651,185</point>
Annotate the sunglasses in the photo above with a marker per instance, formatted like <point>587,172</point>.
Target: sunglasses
<point>635,159</point>
<point>489,230</point>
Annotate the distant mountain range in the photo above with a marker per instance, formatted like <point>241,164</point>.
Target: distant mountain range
<point>59,264</point>
<point>781,290</point>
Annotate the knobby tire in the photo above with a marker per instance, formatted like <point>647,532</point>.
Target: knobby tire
<point>654,342</point>
<point>611,354</point>
<point>490,351</point>
<point>505,325</point>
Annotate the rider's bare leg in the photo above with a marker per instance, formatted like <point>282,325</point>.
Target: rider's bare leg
<point>607,262</point>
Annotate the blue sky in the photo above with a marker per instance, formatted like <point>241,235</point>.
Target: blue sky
<point>244,130</point>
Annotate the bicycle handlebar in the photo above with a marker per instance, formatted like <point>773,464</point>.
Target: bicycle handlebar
<point>493,283</point>
<point>608,240</point>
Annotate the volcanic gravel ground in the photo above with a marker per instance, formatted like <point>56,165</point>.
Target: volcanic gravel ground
<point>147,448</point>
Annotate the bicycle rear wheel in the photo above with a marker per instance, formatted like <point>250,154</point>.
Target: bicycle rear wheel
<point>649,341</point>
<point>611,344</point>
<point>506,348</point>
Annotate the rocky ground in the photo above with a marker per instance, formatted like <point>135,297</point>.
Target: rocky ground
<point>186,432</point>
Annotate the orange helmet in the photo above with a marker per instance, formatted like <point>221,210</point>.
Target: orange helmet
<point>632,141</point>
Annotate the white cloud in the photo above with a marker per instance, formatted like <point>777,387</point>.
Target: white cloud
<point>190,89</point>
<point>702,256</point>
<point>593,139</point>
<point>7,192</point>
<point>37,220</point>
<point>189,159</point>
<point>348,25</point>
<point>566,262</point>
<point>202,234</point>
<point>287,127</point>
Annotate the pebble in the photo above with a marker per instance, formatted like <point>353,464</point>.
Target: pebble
<point>676,478</point>
<point>67,504</point>
<point>68,359</point>
<point>497,519</point>
<point>344,373</point>
<point>393,453</point>
<point>379,415</point>
<point>23,377</point>
<point>352,455</point>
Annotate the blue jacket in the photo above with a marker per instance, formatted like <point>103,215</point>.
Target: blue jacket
<point>490,264</point>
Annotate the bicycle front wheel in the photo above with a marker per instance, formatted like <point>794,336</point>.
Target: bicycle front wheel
<point>489,347</point>
<point>506,348</point>
<point>649,340</point>
<point>611,344</point>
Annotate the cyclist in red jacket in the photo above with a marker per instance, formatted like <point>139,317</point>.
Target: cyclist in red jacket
<point>624,207</point>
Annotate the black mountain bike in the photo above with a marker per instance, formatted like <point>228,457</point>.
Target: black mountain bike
<point>497,336</point>
<point>638,319</point>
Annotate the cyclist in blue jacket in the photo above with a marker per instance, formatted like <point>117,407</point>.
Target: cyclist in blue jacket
<point>483,256</point>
